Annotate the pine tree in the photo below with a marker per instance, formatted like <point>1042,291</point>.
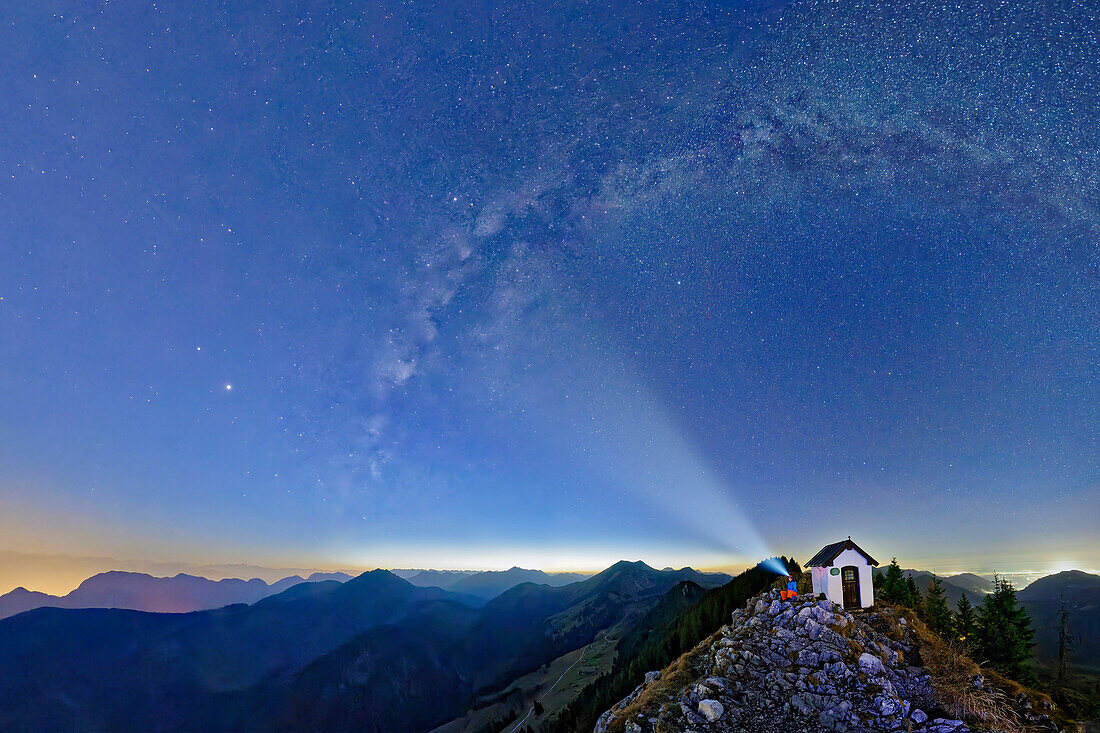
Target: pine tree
<point>936,612</point>
<point>965,621</point>
<point>1004,634</point>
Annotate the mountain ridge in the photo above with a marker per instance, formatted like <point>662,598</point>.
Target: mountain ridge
<point>528,625</point>
<point>180,593</point>
<point>1080,592</point>
<point>315,656</point>
<point>954,586</point>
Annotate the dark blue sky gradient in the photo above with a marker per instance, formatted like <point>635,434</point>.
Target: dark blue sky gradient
<point>554,285</point>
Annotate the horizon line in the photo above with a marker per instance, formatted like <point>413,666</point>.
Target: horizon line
<point>353,571</point>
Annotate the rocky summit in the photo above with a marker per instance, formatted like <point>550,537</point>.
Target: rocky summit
<point>793,666</point>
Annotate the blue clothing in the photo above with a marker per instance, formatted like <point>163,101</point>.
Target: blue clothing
<point>792,586</point>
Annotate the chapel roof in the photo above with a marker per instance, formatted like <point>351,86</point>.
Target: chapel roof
<point>828,553</point>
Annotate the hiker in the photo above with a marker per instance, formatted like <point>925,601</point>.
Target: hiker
<point>792,589</point>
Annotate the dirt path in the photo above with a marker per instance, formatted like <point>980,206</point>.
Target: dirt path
<point>550,689</point>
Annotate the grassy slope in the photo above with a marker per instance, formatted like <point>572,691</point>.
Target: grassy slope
<point>578,666</point>
<point>677,624</point>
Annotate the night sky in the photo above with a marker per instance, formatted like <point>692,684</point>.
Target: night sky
<point>382,284</point>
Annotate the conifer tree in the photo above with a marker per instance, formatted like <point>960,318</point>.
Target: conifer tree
<point>912,595</point>
<point>1004,633</point>
<point>1065,645</point>
<point>965,621</point>
<point>893,584</point>
<point>936,612</point>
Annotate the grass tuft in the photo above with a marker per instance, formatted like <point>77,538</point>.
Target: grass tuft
<point>673,680</point>
<point>953,672</point>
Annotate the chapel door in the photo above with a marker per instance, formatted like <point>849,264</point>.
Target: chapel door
<point>849,576</point>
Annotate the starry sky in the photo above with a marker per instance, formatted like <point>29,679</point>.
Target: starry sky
<point>550,284</point>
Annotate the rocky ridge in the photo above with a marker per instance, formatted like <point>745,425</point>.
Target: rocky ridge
<point>793,666</point>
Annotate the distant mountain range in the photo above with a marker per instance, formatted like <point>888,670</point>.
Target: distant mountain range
<point>318,656</point>
<point>969,583</point>
<point>491,583</point>
<point>140,592</point>
<point>186,593</point>
<point>975,587</point>
<point>1042,599</point>
<point>433,578</point>
<point>1081,593</point>
<point>373,653</point>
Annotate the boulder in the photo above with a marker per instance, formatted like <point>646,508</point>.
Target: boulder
<point>870,664</point>
<point>711,710</point>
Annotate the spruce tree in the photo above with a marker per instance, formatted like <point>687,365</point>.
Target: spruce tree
<point>936,612</point>
<point>1004,634</point>
<point>893,584</point>
<point>912,595</point>
<point>1065,645</point>
<point>965,621</point>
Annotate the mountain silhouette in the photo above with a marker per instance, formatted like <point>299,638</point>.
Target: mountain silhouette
<point>492,583</point>
<point>318,656</point>
<point>973,586</point>
<point>438,578</point>
<point>423,671</point>
<point>141,592</point>
<point>1043,600</point>
<point>21,599</point>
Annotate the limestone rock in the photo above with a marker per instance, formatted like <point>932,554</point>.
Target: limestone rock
<point>793,667</point>
<point>870,664</point>
<point>711,709</point>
